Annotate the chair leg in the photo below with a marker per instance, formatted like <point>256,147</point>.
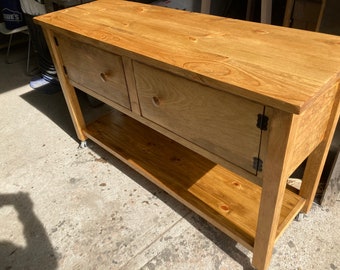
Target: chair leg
<point>28,54</point>
<point>9,48</point>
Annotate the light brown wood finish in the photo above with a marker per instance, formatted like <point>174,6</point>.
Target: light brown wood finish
<point>131,83</point>
<point>264,63</point>
<point>313,125</point>
<point>68,90</point>
<point>221,123</point>
<point>99,69</point>
<point>317,159</point>
<point>202,81</point>
<point>226,199</point>
<point>275,175</point>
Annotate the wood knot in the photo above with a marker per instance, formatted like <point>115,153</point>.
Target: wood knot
<point>193,39</point>
<point>237,184</point>
<point>225,208</point>
<point>156,101</point>
<point>259,31</point>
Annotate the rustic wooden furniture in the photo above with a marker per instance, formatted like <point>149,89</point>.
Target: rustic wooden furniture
<point>217,112</point>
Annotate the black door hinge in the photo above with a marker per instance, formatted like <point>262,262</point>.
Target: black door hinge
<point>262,121</point>
<point>257,164</point>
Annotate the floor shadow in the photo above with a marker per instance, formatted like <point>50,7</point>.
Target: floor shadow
<point>221,240</point>
<point>13,74</point>
<point>54,107</point>
<point>38,253</point>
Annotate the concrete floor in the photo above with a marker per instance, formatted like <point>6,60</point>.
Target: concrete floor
<point>67,208</point>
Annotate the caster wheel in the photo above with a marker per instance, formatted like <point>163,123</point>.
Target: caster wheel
<point>82,145</point>
<point>299,217</point>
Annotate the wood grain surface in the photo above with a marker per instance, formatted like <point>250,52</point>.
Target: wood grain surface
<point>224,198</point>
<point>220,123</point>
<point>284,68</point>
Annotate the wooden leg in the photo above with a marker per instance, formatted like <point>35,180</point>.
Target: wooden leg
<point>266,11</point>
<point>275,177</point>
<point>68,89</point>
<point>288,13</point>
<point>205,6</point>
<point>250,10</point>
<point>322,10</point>
<point>75,111</point>
<point>317,159</point>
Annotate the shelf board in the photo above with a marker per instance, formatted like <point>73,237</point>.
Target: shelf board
<point>225,199</point>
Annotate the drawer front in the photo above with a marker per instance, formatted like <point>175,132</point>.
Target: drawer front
<point>94,69</point>
<point>216,121</point>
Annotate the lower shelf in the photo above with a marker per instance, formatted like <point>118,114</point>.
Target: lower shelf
<point>226,200</point>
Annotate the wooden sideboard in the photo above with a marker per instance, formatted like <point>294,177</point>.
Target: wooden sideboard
<point>217,112</point>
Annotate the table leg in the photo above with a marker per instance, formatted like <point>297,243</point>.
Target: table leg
<point>68,90</point>
<point>205,6</point>
<point>317,159</point>
<point>275,175</point>
<point>266,11</point>
<point>288,13</point>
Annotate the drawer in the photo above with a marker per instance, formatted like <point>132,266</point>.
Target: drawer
<point>94,69</point>
<point>221,123</point>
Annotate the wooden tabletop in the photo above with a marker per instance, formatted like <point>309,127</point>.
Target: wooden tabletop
<point>280,67</point>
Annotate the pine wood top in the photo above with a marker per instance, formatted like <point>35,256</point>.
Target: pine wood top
<point>276,66</point>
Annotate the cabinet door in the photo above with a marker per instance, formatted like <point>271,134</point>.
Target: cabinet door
<point>216,121</point>
<point>94,69</point>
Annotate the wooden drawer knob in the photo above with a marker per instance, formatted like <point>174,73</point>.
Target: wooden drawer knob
<point>156,102</point>
<point>103,76</point>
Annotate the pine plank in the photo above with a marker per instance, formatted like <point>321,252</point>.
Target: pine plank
<point>268,64</point>
<point>227,200</point>
<point>218,122</point>
<point>99,70</point>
